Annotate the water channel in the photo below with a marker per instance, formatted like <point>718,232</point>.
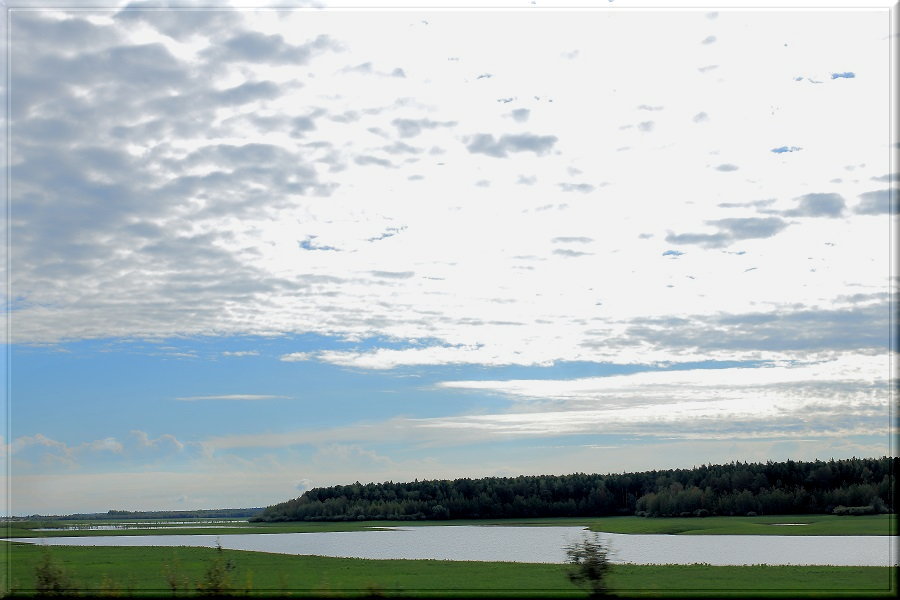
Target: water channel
<point>532,545</point>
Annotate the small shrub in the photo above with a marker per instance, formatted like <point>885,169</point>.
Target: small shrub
<point>217,578</point>
<point>52,578</point>
<point>589,560</point>
<point>176,579</point>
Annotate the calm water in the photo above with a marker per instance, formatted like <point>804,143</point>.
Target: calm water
<point>533,545</point>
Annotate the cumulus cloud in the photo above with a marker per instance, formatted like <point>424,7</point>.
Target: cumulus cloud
<point>520,115</point>
<point>257,47</point>
<point>889,177</point>
<point>483,143</point>
<point>731,230</point>
<point>818,205</point>
<point>181,25</point>
<point>726,167</point>
<point>878,202</point>
<point>753,227</point>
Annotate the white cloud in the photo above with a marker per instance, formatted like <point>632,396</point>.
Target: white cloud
<point>145,441</point>
<point>250,179</point>
<point>241,353</point>
<point>109,444</point>
<point>296,357</point>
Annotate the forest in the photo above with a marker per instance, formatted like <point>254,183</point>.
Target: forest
<point>848,487</point>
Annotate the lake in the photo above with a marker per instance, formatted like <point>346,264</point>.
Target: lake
<point>532,545</point>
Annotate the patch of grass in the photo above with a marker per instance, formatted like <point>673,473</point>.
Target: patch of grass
<point>764,525</point>
<point>151,571</point>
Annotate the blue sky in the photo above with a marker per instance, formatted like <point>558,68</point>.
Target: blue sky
<point>257,251</point>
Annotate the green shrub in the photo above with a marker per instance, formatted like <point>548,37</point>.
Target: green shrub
<point>52,578</point>
<point>589,560</point>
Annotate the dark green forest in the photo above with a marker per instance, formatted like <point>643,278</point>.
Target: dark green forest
<point>851,486</point>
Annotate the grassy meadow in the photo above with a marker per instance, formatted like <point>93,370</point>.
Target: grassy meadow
<point>164,572</point>
<point>761,525</point>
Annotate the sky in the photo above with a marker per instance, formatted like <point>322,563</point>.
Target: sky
<point>251,252</point>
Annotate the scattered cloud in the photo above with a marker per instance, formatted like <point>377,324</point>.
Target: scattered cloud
<point>257,47</point>
<point>584,188</point>
<point>844,75</point>
<point>413,127</point>
<point>818,205</point>
<point>889,177</point>
<point>483,143</point>
<point>570,253</point>
<point>520,115</point>
<point>731,230</point>
<point>372,160</point>
<point>783,149</point>
<point>878,202</point>
<point>145,441</point>
<point>710,39</point>
<point>297,357</point>
<point>572,240</point>
<point>727,168</point>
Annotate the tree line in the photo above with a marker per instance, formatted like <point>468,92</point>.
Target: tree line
<point>850,486</point>
<point>203,513</point>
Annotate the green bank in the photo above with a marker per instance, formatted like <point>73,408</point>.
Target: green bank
<point>760,525</point>
<point>162,572</point>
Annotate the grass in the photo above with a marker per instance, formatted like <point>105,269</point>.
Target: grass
<point>763,525</point>
<point>141,571</point>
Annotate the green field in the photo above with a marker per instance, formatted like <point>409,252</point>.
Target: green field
<point>140,571</point>
<point>763,525</point>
